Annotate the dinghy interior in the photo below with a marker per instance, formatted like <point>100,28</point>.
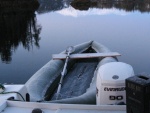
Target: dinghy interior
<point>77,79</point>
<point>80,79</point>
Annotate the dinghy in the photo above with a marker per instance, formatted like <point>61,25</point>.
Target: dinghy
<point>79,84</point>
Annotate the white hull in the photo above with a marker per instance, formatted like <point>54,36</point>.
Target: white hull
<point>24,107</point>
<point>7,106</point>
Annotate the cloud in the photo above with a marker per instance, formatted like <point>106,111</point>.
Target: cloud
<point>70,11</point>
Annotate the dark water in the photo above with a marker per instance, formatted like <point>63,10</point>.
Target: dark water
<point>30,32</point>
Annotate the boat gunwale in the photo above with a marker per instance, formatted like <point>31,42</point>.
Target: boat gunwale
<point>55,106</point>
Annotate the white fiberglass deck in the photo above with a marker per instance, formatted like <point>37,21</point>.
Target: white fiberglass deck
<point>27,107</point>
<point>7,106</point>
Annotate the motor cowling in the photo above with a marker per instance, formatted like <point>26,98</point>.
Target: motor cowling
<point>111,82</point>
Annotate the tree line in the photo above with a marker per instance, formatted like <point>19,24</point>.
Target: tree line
<point>17,27</point>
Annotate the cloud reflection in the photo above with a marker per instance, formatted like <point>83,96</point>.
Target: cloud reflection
<point>70,11</point>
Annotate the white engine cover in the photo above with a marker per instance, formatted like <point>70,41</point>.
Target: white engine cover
<point>111,82</point>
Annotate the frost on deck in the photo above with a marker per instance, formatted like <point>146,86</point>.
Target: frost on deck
<point>78,79</point>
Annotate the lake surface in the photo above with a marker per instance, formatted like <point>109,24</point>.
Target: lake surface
<point>29,37</point>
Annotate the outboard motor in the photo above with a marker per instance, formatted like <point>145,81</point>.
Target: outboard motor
<point>111,82</point>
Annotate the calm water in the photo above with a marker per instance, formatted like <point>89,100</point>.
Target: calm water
<point>29,37</point>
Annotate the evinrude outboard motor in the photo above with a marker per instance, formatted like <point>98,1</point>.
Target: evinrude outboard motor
<point>111,82</point>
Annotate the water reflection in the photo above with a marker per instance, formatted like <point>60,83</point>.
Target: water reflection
<point>18,25</point>
<point>126,5</point>
<point>52,5</point>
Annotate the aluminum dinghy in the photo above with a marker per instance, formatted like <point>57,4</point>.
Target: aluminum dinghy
<point>79,85</point>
